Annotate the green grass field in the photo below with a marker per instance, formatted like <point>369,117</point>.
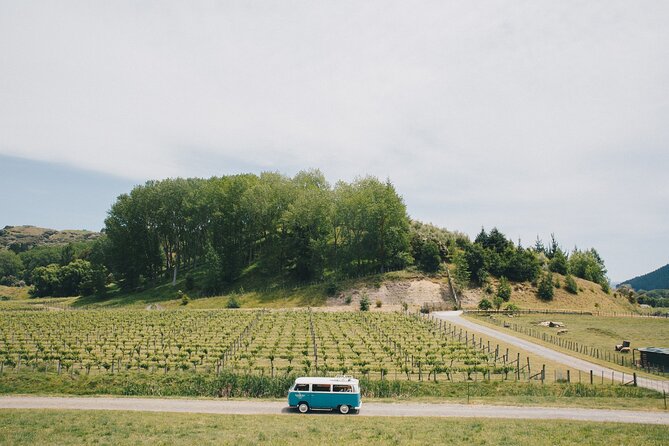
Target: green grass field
<point>30,427</point>
<point>599,332</point>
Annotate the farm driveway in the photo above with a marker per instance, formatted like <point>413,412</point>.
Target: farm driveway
<point>369,409</point>
<point>455,317</point>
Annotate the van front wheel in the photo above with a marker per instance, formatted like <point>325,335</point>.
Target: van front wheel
<point>303,407</point>
<point>344,409</point>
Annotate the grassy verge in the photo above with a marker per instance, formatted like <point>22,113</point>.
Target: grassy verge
<point>118,428</point>
<point>242,386</point>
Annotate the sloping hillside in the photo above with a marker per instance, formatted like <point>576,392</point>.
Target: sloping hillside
<point>590,297</point>
<point>22,238</point>
<point>656,280</point>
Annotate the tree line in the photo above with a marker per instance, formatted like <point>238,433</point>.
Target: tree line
<point>492,254</point>
<point>301,227</point>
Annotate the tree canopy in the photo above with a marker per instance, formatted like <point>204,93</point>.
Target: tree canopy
<point>301,226</point>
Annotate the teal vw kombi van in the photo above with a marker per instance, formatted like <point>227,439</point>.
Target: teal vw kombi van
<point>341,393</point>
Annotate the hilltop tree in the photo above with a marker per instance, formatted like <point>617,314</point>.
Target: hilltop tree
<point>559,262</point>
<point>11,265</point>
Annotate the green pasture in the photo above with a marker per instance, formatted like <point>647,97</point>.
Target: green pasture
<point>30,427</point>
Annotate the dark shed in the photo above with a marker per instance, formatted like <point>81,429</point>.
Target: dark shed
<point>654,357</point>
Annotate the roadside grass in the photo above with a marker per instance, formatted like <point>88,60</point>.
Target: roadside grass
<point>600,332</point>
<point>18,427</point>
<point>193,385</point>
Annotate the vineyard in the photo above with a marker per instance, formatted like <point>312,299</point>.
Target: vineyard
<point>382,346</point>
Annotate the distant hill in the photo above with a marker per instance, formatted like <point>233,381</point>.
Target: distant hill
<point>22,238</point>
<point>657,280</point>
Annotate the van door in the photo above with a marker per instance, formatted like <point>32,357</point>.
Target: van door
<point>321,396</point>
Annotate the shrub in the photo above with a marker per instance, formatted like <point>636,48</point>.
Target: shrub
<point>331,288</point>
<point>512,308</point>
<point>364,303</point>
<point>232,302</point>
<point>605,286</point>
<point>184,297</point>
<point>497,302</point>
<point>378,303</point>
<point>546,289</point>
<point>348,299</point>
<point>504,289</point>
<point>485,304</point>
<point>570,284</point>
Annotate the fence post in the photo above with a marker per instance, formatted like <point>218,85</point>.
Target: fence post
<point>568,376</point>
<point>591,378</point>
<point>543,373</point>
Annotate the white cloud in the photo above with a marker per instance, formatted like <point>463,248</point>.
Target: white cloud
<point>534,116</point>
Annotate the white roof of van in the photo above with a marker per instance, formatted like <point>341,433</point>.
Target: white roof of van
<point>325,380</point>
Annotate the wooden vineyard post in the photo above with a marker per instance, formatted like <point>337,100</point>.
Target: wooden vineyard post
<point>568,376</point>
<point>543,373</point>
<point>591,377</point>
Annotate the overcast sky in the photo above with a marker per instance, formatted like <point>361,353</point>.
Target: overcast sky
<point>535,117</point>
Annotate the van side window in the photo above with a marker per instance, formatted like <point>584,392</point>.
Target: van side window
<point>341,388</point>
<point>320,387</point>
<point>302,387</point>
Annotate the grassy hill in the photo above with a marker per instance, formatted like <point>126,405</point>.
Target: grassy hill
<point>390,291</point>
<point>22,238</point>
<point>590,297</point>
<point>656,280</point>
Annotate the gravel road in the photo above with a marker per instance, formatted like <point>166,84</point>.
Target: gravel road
<point>548,353</point>
<point>368,409</point>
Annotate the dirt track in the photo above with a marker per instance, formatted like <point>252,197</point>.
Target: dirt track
<point>368,409</point>
<point>548,353</point>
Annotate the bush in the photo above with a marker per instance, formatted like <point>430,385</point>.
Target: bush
<point>184,297</point>
<point>546,289</point>
<point>485,304</point>
<point>348,299</point>
<point>605,286</point>
<point>504,289</point>
<point>364,303</point>
<point>331,288</point>
<point>378,303</point>
<point>512,308</point>
<point>570,284</point>
<point>232,302</point>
